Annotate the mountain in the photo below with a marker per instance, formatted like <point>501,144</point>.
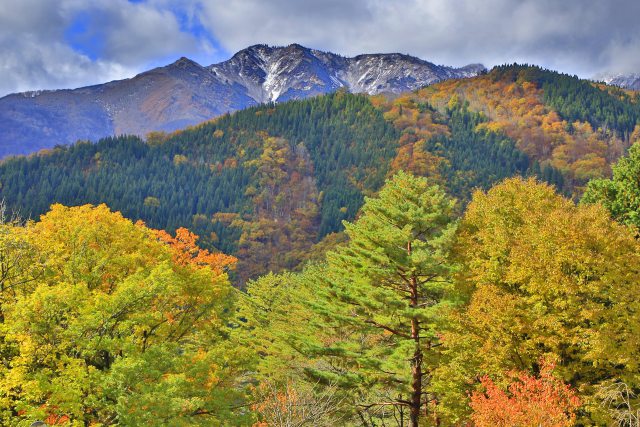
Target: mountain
<point>270,182</point>
<point>265,183</point>
<point>185,93</point>
<point>274,74</point>
<point>625,81</point>
<point>165,98</point>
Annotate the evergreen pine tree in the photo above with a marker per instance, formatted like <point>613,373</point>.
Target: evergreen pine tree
<point>390,282</point>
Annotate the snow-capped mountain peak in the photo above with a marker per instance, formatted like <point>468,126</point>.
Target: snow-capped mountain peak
<point>626,81</point>
<point>281,73</point>
<point>185,93</point>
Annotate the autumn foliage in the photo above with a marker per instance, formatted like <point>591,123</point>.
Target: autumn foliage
<point>186,252</point>
<point>284,405</point>
<point>275,405</point>
<point>519,108</point>
<point>536,401</point>
<point>95,309</point>
<point>434,305</point>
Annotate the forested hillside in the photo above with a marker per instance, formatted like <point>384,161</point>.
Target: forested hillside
<point>423,260</point>
<point>570,124</point>
<point>270,182</point>
<point>520,312</point>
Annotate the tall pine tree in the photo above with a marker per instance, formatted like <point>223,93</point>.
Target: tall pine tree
<point>388,285</point>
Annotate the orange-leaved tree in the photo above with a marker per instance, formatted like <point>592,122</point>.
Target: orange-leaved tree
<point>540,401</point>
<point>186,251</point>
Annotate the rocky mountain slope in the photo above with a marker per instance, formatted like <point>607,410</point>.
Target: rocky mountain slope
<point>625,81</point>
<point>283,73</point>
<point>185,93</point>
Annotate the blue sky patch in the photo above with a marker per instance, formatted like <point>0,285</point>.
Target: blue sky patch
<point>84,36</point>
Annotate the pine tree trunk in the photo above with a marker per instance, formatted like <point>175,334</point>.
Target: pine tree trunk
<point>416,361</point>
<point>416,371</point>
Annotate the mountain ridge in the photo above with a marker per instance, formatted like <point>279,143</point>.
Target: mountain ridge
<point>625,81</point>
<point>357,74</point>
<point>185,93</point>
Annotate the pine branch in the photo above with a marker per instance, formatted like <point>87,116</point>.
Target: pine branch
<point>387,328</point>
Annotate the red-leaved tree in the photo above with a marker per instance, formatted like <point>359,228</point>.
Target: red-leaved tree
<point>542,401</point>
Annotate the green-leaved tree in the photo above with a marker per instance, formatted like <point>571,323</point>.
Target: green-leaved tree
<point>382,294</point>
<point>621,194</point>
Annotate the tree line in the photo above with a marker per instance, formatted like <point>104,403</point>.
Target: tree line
<point>522,310</point>
<point>213,178</point>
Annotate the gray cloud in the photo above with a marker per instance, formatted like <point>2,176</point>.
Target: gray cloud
<point>578,36</point>
<point>585,37</point>
<point>35,54</point>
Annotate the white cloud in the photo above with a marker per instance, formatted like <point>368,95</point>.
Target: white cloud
<point>35,54</point>
<point>570,35</point>
<point>577,36</point>
<point>28,64</point>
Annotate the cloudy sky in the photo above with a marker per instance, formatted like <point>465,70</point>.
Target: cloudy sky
<point>70,43</point>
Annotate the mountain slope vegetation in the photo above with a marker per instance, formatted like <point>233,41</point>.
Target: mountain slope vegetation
<point>264,181</point>
<point>463,290</point>
<point>270,182</point>
<point>570,124</point>
<point>185,93</point>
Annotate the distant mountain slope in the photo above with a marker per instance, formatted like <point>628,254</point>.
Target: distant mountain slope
<point>626,81</point>
<point>293,72</point>
<point>185,93</point>
<point>571,124</point>
<point>268,182</point>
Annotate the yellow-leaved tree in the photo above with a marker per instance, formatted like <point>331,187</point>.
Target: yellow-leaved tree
<point>544,279</point>
<point>107,322</point>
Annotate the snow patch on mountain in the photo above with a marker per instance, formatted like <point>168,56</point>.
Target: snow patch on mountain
<point>271,74</point>
<point>625,81</point>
